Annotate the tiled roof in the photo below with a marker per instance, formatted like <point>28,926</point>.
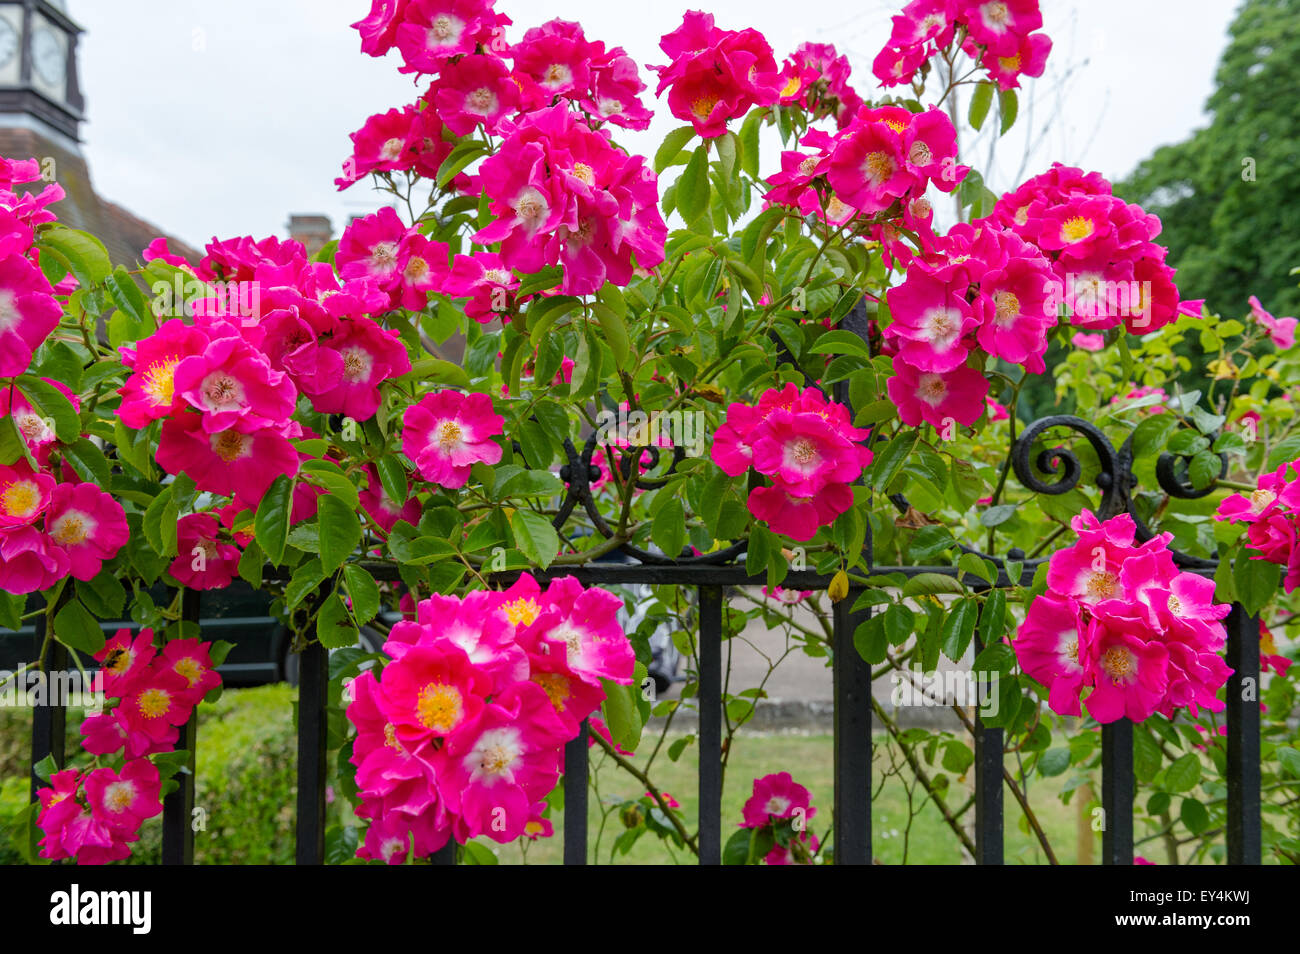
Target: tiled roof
<point>123,234</point>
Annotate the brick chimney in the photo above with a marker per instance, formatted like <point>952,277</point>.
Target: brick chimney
<point>313,231</point>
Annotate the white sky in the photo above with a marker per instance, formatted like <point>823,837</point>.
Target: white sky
<point>222,117</point>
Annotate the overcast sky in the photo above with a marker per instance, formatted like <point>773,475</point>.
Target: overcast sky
<point>222,117</point>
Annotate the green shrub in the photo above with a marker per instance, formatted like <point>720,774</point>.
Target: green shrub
<point>245,783</point>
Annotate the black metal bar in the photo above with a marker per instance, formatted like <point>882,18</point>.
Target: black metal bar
<point>1243,821</point>
<point>710,701</point>
<point>988,775</point>
<point>851,676</point>
<point>575,798</point>
<point>1117,790</point>
<point>313,689</point>
<point>178,807</point>
<point>446,855</point>
<point>49,716</point>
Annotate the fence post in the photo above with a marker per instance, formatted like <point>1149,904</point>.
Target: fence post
<point>49,717</point>
<point>178,807</point>
<point>1117,790</point>
<point>851,678</point>
<point>710,702</point>
<point>1242,770</point>
<point>988,776</point>
<point>313,716</point>
<point>575,798</point>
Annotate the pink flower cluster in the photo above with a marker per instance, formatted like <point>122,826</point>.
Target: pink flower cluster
<point>50,530</point>
<point>809,448</point>
<point>564,195</point>
<point>778,798</point>
<point>448,432</point>
<point>227,385</point>
<point>1281,331</point>
<point>28,309</point>
<point>463,732</point>
<point>816,77</point>
<point>979,288</point>
<point>882,157</point>
<point>462,44</point>
<point>1109,270</point>
<point>1271,513</point>
<point>95,816</point>
<point>998,34</point>
<point>1122,621</point>
<point>716,75</point>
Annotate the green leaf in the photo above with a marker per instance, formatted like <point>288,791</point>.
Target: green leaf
<point>529,483</point>
<point>890,459</point>
<point>839,341</point>
<point>870,641</point>
<point>334,626</point>
<point>364,592</point>
<point>12,446</point>
<point>622,715</point>
<point>130,300</point>
<point>926,583</point>
<point>1184,774</point>
<point>465,152</point>
<point>392,476</point>
<point>11,610</point>
<point>615,329</point>
<point>980,103</point>
<point>1256,582</point>
<point>271,524</point>
<point>958,628</point>
<point>104,595</point>
<point>899,623</point>
<point>306,579</point>
<point>1204,469</point>
<point>693,186</point>
<point>996,516</point>
<point>543,280</point>
<point>1290,759</point>
<point>1194,816</point>
<point>535,537</point>
<point>160,522</point>
<point>1008,106</point>
<point>1054,761</point>
<point>49,402</point>
<point>251,562</point>
<point>88,461</point>
<point>992,619</point>
<point>75,628</point>
<point>83,254</point>
<point>669,528</point>
<point>672,146</point>
<point>340,531</point>
<point>1285,451</point>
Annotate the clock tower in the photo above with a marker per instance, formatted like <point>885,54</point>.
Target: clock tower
<point>38,67</point>
<point>41,112</point>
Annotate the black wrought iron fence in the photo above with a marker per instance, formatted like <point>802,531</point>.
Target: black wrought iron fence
<point>1053,470</point>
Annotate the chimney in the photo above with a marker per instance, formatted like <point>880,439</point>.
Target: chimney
<point>313,231</point>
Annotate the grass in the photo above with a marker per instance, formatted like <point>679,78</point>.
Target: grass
<point>809,759</point>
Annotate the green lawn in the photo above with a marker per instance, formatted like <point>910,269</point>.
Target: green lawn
<point>808,759</point>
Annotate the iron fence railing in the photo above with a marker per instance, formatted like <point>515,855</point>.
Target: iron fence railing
<point>1052,470</point>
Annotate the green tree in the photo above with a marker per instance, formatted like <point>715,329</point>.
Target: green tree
<point>1229,196</point>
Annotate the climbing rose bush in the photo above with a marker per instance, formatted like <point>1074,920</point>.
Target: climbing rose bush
<point>817,364</point>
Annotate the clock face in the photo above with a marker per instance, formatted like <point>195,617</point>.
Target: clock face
<point>8,43</point>
<point>48,57</point>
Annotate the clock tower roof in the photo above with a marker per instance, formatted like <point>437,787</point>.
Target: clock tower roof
<point>41,110</point>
